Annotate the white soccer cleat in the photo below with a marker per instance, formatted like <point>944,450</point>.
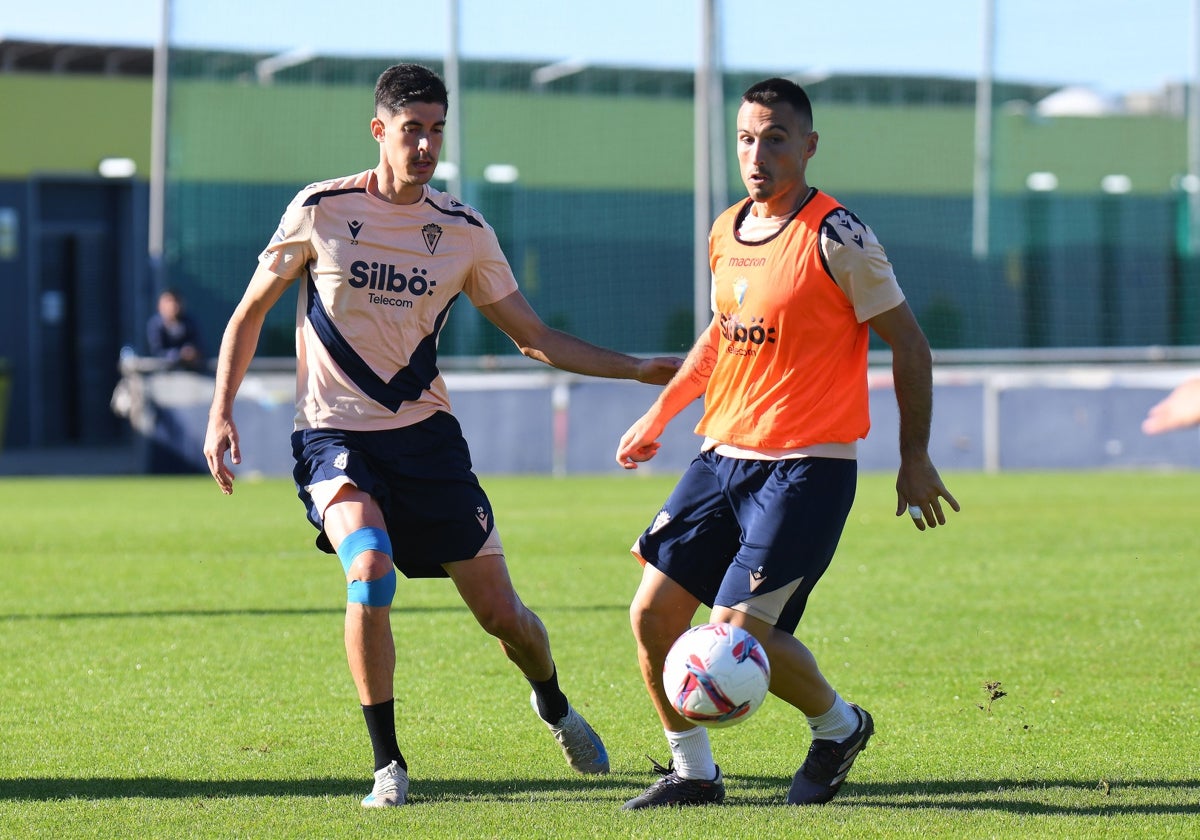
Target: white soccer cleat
<point>391,787</point>
<point>580,744</point>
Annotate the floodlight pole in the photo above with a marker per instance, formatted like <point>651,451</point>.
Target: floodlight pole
<point>156,234</point>
<point>981,212</point>
<point>1193,138</point>
<point>454,183</point>
<point>707,130</point>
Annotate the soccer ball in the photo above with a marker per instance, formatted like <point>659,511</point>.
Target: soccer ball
<point>716,675</point>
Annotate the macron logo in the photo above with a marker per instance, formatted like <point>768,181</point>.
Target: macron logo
<point>355,227</point>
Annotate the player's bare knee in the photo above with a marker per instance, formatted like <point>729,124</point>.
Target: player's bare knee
<point>512,624</point>
<point>635,614</point>
<point>652,629</point>
<point>641,617</point>
<point>369,565</point>
<point>500,622</point>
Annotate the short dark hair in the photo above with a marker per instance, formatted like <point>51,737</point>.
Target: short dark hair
<point>401,84</point>
<point>773,91</point>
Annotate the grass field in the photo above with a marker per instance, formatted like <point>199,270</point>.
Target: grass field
<point>172,666</point>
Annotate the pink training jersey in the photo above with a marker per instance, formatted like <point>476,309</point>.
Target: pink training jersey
<point>377,281</point>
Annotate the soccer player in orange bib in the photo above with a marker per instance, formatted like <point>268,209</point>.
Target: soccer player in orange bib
<point>381,463</point>
<point>797,284</point>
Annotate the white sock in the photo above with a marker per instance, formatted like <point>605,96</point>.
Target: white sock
<point>837,724</point>
<point>692,754</point>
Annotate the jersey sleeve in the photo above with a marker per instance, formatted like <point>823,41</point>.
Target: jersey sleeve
<point>859,265</point>
<point>491,277</point>
<point>290,249</point>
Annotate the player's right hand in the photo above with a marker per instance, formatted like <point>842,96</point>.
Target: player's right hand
<point>222,437</point>
<point>639,443</point>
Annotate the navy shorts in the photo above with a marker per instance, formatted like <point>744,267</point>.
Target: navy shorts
<point>752,535</point>
<point>420,475</point>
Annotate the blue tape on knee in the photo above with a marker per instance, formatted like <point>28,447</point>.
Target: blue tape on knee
<point>364,539</point>
<point>374,593</point>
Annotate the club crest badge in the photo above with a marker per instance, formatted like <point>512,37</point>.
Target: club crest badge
<point>431,233</point>
<point>757,576</point>
<point>660,521</point>
<point>739,289</point>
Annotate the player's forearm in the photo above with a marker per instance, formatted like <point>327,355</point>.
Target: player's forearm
<point>240,340</point>
<point>912,378</point>
<point>237,350</point>
<point>566,352</point>
<point>690,382</point>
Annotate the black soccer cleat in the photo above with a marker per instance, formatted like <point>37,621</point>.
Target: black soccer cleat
<point>671,791</point>
<point>819,778</point>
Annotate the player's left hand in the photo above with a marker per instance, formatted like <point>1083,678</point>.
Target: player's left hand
<point>919,493</point>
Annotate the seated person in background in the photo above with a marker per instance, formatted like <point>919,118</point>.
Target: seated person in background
<point>173,336</point>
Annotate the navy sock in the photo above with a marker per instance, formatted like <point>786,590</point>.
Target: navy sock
<point>551,702</point>
<point>381,726</point>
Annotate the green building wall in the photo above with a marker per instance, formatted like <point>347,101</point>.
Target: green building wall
<point>231,131</point>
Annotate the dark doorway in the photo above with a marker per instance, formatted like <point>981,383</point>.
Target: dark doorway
<point>81,294</point>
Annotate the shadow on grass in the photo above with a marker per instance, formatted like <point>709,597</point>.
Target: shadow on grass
<point>177,613</point>
<point>398,611</point>
<point>1020,796</point>
<point>423,789</point>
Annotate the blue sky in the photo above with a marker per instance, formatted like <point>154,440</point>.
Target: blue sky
<point>1110,45</point>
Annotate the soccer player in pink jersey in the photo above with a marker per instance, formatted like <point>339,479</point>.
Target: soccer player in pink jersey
<point>797,284</point>
<point>381,464</point>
